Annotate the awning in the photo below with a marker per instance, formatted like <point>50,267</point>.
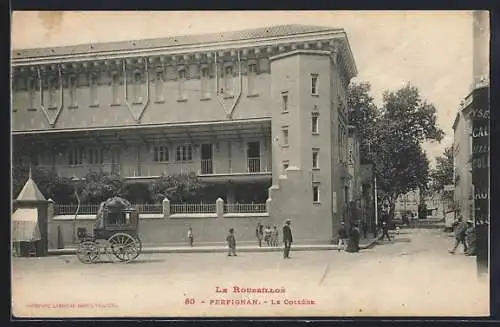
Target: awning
<point>25,225</point>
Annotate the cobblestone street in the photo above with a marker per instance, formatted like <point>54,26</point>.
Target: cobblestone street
<point>414,275</point>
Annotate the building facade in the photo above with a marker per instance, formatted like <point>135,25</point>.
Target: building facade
<point>262,109</point>
<point>435,205</point>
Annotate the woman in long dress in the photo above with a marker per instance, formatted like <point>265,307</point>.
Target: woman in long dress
<point>354,235</point>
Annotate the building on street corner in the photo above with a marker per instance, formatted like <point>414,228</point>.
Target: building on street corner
<point>261,114</point>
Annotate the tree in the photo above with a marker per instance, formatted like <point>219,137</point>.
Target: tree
<point>392,137</point>
<point>362,113</point>
<point>98,186</point>
<point>443,173</point>
<point>177,188</point>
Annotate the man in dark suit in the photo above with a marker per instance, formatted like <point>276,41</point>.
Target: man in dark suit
<point>287,238</point>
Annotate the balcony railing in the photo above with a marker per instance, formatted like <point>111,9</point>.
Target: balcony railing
<point>70,171</point>
<point>153,169</point>
<point>207,167</point>
<point>245,208</point>
<point>162,168</point>
<point>182,208</point>
<point>253,165</point>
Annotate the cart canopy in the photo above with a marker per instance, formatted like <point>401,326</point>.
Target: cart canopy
<point>115,204</point>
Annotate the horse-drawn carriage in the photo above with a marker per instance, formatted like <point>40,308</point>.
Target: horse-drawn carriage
<point>115,233</point>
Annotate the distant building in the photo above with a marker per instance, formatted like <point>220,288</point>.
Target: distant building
<point>261,113</point>
<point>435,205</point>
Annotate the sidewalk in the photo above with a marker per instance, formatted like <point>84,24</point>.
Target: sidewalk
<point>364,244</point>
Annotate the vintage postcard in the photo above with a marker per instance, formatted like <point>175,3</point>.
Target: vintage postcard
<point>244,164</point>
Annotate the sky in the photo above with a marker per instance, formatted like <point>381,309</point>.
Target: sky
<point>431,50</point>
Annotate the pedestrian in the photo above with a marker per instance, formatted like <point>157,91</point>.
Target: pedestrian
<point>267,235</point>
<point>385,232</point>
<point>354,235</point>
<point>343,237</point>
<point>190,236</point>
<point>275,235</point>
<point>287,239</point>
<point>231,243</point>
<point>470,238</point>
<point>259,231</point>
<point>460,236</point>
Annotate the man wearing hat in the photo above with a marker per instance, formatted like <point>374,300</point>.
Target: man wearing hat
<point>470,238</point>
<point>460,235</point>
<point>287,238</point>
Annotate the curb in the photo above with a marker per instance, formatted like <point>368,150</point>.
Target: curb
<point>223,249</point>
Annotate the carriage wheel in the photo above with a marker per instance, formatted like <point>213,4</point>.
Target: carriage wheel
<point>139,246</point>
<point>87,252</point>
<point>124,247</point>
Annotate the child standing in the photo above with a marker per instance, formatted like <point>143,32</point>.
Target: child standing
<point>231,243</point>
<point>190,236</point>
<point>267,235</point>
<point>274,236</point>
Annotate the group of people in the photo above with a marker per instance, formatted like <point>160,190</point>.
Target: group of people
<point>348,239</point>
<point>270,237</point>
<point>268,234</point>
<point>465,234</point>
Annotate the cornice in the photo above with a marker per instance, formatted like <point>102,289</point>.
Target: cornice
<point>198,47</point>
<point>298,52</point>
<point>268,46</point>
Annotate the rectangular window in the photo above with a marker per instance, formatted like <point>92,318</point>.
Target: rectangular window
<point>315,158</point>
<point>284,132</point>
<point>76,156</point>
<point>228,80</point>
<point>72,91</point>
<point>315,121</point>
<point>251,76</point>
<point>161,154</point>
<point>93,90</point>
<point>115,84</point>
<point>95,157</point>
<point>184,153</point>
<point>314,84</point>
<point>204,82</point>
<point>284,101</point>
<point>182,81</point>
<point>137,87</point>
<point>159,85</point>
<point>31,92</point>
<point>51,81</point>
<point>315,189</point>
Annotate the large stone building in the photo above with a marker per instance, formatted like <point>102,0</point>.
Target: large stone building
<point>264,109</point>
<point>462,151</point>
<point>471,130</point>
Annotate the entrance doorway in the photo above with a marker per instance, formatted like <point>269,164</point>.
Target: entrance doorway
<point>253,155</point>
<point>115,161</point>
<point>206,159</point>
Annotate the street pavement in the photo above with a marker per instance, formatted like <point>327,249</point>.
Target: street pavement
<point>412,276</point>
